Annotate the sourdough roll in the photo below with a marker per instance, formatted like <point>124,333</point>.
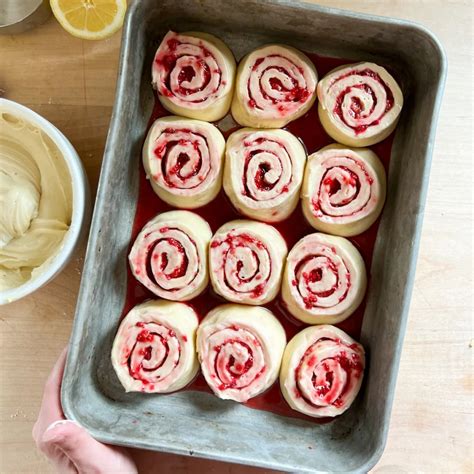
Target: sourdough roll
<point>275,85</point>
<point>194,75</point>
<point>343,190</point>
<point>169,255</point>
<point>246,261</point>
<point>359,104</point>
<point>324,280</point>
<point>183,160</point>
<point>322,371</point>
<point>154,350</point>
<point>240,350</point>
<point>263,173</point>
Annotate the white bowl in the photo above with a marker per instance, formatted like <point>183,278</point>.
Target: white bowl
<point>80,203</point>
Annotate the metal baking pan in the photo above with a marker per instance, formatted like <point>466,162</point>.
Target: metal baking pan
<point>196,423</point>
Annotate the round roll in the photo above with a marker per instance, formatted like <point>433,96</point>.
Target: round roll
<point>343,190</point>
<point>169,255</point>
<point>154,350</point>
<point>322,371</point>
<point>183,160</point>
<point>359,104</point>
<point>194,75</point>
<point>275,84</point>
<point>246,261</point>
<point>240,350</point>
<point>324,280</point>
<point>263,173</point>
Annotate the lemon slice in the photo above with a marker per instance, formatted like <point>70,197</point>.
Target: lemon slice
<point>90,19</point>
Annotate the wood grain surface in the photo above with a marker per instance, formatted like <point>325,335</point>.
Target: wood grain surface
<point>71,82</point>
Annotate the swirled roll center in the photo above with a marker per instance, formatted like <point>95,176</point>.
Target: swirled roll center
<point>184,157</point>
<point>327,372</point>
<point>246,263</point>
<point>189,72</point>
<point>322,279</point>
<point>276,82</point>
<point>360,99</point>
<point>343,188</point>
<point>268,170</point>
<point>155,352</point>
<point>171,258</point>
<point>237,358</point>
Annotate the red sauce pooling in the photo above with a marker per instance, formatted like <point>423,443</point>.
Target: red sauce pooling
<point>310,131</point>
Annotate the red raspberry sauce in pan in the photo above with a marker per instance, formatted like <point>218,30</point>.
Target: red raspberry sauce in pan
<point>218,212</point>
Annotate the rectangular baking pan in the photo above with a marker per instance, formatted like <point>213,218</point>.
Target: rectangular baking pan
<point>196,423</point>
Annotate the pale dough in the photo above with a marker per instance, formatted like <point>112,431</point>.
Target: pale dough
<point>240,350</point>
<point>275,84</point>
<point>183,159</point>
<point>194,75</point>
<point>359,104</point>
<point>169,255</point>
<point>246,261</point>
<point>263,173</point>
<point>154,350</point>
<point>343,190</point>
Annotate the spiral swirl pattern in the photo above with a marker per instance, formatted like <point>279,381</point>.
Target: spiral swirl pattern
<point>322,371</point>
<point>324,279</point>
<point>275,85</point>
<point>169,255</point>
<point>194,75</point>
<point>154,347</point>
<point>183,159</point>
<point>263,173</point>
<point>343,190</point>
<point>359,105</point>
<point>246,261</point>
<point>240,349</point>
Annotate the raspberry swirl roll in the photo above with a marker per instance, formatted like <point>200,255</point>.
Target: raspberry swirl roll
<point>240,350</point>
<point>359,104</point>
<point>322,371</point>
<point>324,279</point>
<point>154,350</point>
<point>275,84</point>
<point>343,190</point>
<point>194,75</point>
<point>183,160</point>
<point>263,173</point>
<point>169,255</point>
<point>246,261</point>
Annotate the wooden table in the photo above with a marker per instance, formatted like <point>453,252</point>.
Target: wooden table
<point>71,83</point>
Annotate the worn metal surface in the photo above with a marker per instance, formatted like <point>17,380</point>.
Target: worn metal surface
<point>196,423</point>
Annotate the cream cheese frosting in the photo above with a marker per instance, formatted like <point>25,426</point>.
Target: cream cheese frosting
<point>35,200</point>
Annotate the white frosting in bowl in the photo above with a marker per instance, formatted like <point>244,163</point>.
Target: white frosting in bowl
<point>43,197</point>
<point>35,197</point>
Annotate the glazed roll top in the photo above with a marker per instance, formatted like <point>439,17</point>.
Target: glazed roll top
<point>154,350</point>
<point>194,75</point>
<point>324,279</point>
<point>275,84</point>
<point>240,350</point>
<point>322,371</point>
<point>343,190</point>
<point>183,160</point>
<point>263,173</point>
<point>169,255</point>
<point>359,104</point>
<point>246,261</point>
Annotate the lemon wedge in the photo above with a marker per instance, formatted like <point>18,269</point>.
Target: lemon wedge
<point>90,19</point>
